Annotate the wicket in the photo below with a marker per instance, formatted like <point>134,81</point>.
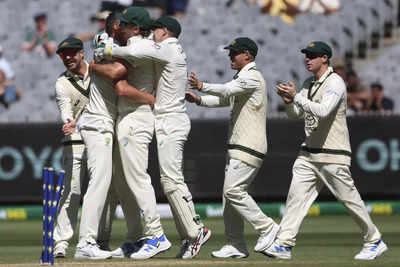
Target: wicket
<point>51,197</point>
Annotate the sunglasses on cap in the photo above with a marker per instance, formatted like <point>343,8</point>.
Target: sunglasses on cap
<point>68,52</point>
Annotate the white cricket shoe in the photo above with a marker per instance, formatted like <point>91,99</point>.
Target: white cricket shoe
<point>266,239</point>
<point>191,248</point>
<point>229,251</point>
<point>92,252</point>
<point>127,249</point>
<point>276,251</point>
<point>371,252</point>
<point>151,247</point>
<point>184,248</point>
<point>60,250</point>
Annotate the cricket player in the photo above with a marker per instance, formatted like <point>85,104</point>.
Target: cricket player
<point>72,91</point>
<point>172,127</point>
<point>135,123</point>
<point>325,155</point>
<point>247,146</point>
<point>97,127</point>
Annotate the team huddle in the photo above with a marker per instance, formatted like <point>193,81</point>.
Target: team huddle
<point>136,88</point>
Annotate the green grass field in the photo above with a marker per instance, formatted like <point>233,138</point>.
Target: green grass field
<point>323,241</point>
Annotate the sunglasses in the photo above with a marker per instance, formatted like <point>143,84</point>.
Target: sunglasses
<point>234,53</point>
<point>313,55</point>
<point>68,52</point>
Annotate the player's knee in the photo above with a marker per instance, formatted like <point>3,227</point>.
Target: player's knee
<point>168,185</point>
<point>233,193</point>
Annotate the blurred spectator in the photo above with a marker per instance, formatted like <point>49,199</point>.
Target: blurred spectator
<point>339,67</point>
<point>156,8</point>
<point>41,40</point>
<point>100,19</point>
<point>319,6</point>
<point>379,102</point>
<point>177,8</point>
<point>288,9</point>
<point>358,97</point>
<point>5,66</point>
<point>8,91</point>
<point>285,9</point>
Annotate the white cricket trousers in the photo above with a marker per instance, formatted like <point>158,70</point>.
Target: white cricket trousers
<point>134,133</point>
<point>74,164</point>
<point>99,146</point>
<point>131,211</point>
<point>308,180</point>
<point>239,205</point>
<point>172,131</point>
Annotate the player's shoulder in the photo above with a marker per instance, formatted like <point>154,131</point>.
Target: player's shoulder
<point>336,80</point>
<point>62,77</point>
<point>251,72</point>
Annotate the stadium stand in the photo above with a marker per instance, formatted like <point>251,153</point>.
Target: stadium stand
<point>356,32</point>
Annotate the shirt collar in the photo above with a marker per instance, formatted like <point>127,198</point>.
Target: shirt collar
<point>248,66</point>
<point>326,73</point>
<point>170,40</point>
<point>134,39</point>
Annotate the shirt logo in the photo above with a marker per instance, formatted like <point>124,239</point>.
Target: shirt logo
<point>108,141</point>
<point>311,122</point>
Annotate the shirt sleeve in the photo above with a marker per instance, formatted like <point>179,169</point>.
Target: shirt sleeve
<point>241,85</point>
<point>334,92</point>
<point>64,103</point>
<point>293,111</point>
<point>214,101</point>
<point>139,53</point>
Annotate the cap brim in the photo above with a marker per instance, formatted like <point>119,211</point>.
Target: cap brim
<point>230,47</point>
<point>69,47</point>
<point>307,50</point>
<point>311,50</point>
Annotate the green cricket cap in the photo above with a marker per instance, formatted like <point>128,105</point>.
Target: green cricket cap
<point>168,22</point>
<point>318,47</point>
<point>135,16</point>
<point>70,42</point>
<point>243,44</point>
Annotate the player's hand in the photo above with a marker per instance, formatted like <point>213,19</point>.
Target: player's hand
<point>287,91</point>
<point>99,38</point>
<point>192,98</point>
<point>99,53</point>
<point>69,127</point>
<point>194,83</point>
<point>282,93</point>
